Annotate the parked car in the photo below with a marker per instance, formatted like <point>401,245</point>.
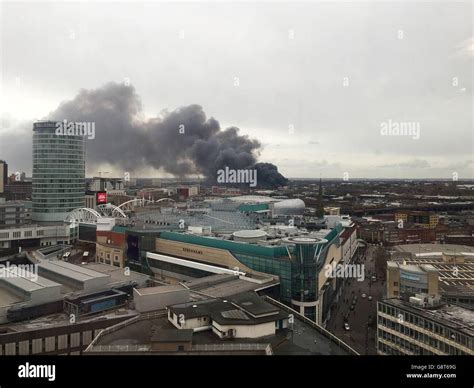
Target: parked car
<point>346,326</point>
<point>370,297</point>
<point>364,296</point>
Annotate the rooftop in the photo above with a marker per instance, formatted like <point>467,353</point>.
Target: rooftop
<point>70,270</point>
<point>160,289</point>
<point>452,316</point>
<point>303,340</point>
<point>172,335</point>
<point>225,285</point>
<point>434,249</point>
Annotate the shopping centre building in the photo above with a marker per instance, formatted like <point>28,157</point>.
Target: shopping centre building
<point>296,262</point>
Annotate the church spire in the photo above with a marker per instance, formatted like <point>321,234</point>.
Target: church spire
<point>320,208</point>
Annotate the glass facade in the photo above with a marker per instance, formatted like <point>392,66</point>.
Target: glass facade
<point>273,266</point>
<point>58,173</point>
<point>304,269</point>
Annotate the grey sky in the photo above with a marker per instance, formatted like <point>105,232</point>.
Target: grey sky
<point>401,60</point>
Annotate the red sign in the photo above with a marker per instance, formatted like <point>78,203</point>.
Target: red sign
<point>101,197</point>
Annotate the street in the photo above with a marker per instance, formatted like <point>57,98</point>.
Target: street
<point>362,319</point>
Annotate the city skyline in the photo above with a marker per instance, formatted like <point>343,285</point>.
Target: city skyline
<point>318,109</point>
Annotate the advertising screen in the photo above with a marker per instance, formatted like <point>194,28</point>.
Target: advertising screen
<point>101,197</point>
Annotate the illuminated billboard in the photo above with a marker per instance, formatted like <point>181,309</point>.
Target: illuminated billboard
<point>101,197</point>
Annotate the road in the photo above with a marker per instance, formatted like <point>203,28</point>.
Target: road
<point>361,335</point>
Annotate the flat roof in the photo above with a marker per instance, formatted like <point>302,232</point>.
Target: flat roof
<point>71,270</point>
<point>250,233</point>
<point>8,298</point>
<point>453,278</point>
<point>200,308</point>
<point>26,281</point>
<point>170,335</point>
<point>450,315</point>
<point>433,249</point>
<point>225,285</point>
<point>160,289</point>
<point>253,304</point>
<point>305,339</point>
<point>117,275</point>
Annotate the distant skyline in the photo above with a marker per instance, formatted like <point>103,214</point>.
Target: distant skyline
<point>326,88</point>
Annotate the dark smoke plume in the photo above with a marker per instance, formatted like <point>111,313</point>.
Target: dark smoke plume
<point>181,142</point>
<point>268,176</point>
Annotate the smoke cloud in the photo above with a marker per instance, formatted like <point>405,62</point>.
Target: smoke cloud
<point>184,141</point>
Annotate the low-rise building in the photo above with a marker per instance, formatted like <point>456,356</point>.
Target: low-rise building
<point>34,235</point>
<point>244,315</point>
<point>405,280</point>
<point>14,213</point>
<point>110,246</point>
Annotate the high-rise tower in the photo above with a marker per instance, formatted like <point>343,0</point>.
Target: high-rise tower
<point>58,173</point>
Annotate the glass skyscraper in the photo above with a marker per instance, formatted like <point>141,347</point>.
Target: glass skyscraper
<point>58,173</point>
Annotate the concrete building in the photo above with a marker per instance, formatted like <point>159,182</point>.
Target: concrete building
<point>3,175</point>
<point>58,286</point>
<point>54,335</point>
<point>27,288</point>
<point>242,316</point>
<point>158,298</point>
<point>18,191</point>
<point>408,328</point>
<point>106,184</point>
<point>418,218</point>
<point>453,267</point>
<point>14,213</point>
<point>58,173</point>
<point>74,276</point>
<point>404,281</point>
<point>33,235</point>
<point>219,326</point>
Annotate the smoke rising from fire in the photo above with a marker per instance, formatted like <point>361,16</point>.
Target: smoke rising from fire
<point>183,141</point>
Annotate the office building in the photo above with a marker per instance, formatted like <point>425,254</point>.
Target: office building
<point>14,213</point>
<point>419,218</point>
<point>422,326</point>
<point>34,235</point>
<point>58,173</point>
